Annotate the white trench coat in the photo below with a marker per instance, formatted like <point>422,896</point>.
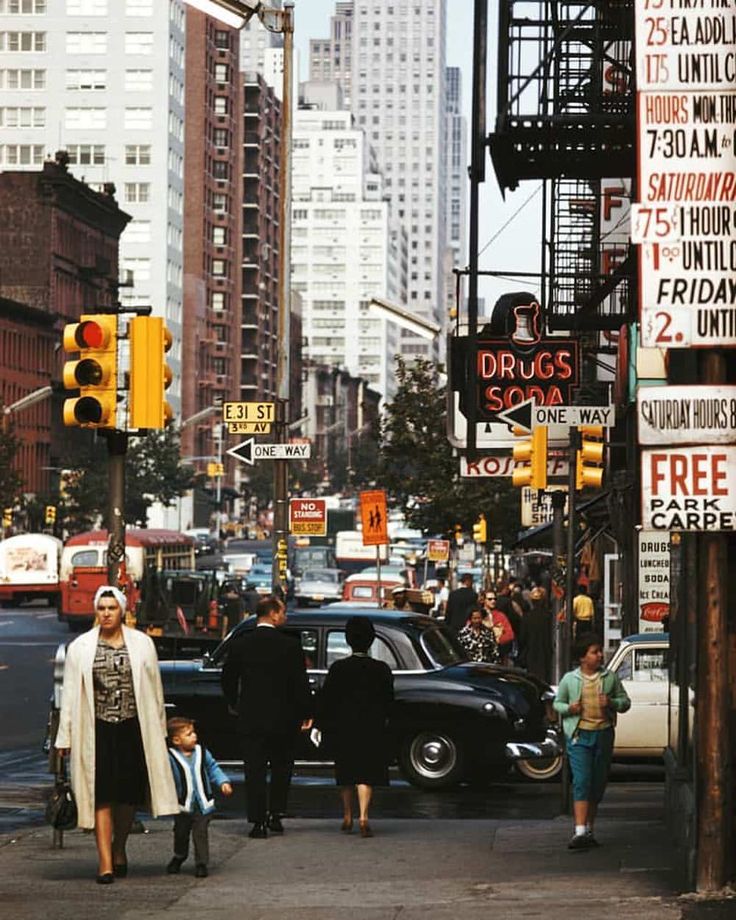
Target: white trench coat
<point>77,722</point>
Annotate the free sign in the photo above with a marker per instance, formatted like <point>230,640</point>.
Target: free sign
<point>690,488</point>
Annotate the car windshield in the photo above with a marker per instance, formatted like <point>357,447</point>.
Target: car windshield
<point>319,575</point>
<point>442,647</point>
<point>260,570</point>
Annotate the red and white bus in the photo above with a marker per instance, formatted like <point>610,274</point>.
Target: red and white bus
<point>84,567</point>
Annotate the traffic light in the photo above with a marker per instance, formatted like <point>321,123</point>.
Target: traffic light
<point>7,517</point>
<point>50,514</point>
<point>458,531</point>
<point>150,375</point>
<point>480,530</point>
<point>589,465</point>
<point>95,337</point>
<point>215,469</point>
<point>532,453</point>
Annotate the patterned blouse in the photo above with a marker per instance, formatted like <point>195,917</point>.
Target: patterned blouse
<point>480,646</point>
<point>112,679</point>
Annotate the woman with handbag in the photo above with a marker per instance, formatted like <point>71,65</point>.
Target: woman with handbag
<point>113,724</point>
<point>354,706</point>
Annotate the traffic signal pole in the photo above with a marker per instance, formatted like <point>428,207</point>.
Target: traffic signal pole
<point>564,634</point>
<point>117,447</point>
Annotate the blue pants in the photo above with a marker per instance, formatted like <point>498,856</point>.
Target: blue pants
<point>590,755</point>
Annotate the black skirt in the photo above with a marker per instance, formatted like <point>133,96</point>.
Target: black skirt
<point>360,756</point>
<point>121,777</point>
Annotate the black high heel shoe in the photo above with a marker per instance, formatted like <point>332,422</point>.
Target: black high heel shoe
<point>107,878</point>
<point>120,870</point>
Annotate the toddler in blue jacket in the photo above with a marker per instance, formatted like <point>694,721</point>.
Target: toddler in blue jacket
<point>196,774</point>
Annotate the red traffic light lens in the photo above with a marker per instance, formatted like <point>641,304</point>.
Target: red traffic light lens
<point>90,334</point>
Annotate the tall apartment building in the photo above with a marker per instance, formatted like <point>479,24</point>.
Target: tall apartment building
<point>457,165</point>
<point>104,79</point>
<point>397,95</point>
<point>260,248</point>
<point>331,59</point>
<point>212,227</point>
<point>345,248</point>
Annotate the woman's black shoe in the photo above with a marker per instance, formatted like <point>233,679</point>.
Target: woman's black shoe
<point>120,870</point>
<point>107,878</point>
<point>258,831</point>
<point>275,825</point>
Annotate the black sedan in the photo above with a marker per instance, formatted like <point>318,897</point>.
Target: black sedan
<point>452,719</point>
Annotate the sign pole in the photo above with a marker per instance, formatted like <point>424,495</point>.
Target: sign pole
<point>565,632</point>
<point>378,574</point>
<point>558,553</point>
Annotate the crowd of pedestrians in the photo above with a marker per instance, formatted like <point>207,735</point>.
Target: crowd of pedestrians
<point>125,756</point>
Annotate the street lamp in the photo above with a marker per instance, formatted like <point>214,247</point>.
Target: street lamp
<point>237,13</point>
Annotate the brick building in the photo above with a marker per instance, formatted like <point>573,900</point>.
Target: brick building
<point>212,228</point>
<point>58,259</point>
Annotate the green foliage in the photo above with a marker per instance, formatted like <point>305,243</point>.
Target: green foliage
<point>11,482</point>
<point>417,467</point>
<point>153,473</point>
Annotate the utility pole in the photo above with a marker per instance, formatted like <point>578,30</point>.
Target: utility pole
<point>284,23</point>
<point>117,447</point>
<point>558,554</point>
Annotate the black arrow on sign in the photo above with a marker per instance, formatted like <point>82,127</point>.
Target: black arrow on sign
<point>520,415</point>
<point>243,451</point>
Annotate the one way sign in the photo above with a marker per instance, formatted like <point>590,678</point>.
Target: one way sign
<point>248,451</point>
<point>527,415</point>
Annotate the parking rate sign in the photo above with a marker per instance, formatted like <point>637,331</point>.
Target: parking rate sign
<point>689,488</point>
<point>374,517</point>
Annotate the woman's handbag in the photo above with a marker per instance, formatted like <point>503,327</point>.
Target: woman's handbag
<point>61,809</point>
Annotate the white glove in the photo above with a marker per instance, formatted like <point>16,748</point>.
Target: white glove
<point>315,736</point>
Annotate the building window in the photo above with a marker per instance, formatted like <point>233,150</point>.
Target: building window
<point>222,73</point>
<point>221,169</point>
<point>219,267</point>
<point>219,236</point>
<point>86,7</point>
<point>137,81</point>
<point>21,154</point>
<point>137,191</point>
<point>137,154</point>
<point>22,117</point>
<point>138,42</point>
<point>85,119</point>
<point>221,105</point>
<point>86,79</point>
<point>222,39</point>
<point>138,231</point>
<point>139,7</point>
<point>218,301</point>
<point>141,269</point>
<point>221,137</point>
<point>219,203</point>
<point>22,41</point>
<point>86,154</point>
<point>86,42</point>
<point>23,7</point>
<point>138,117</point>
<point>22,79</point>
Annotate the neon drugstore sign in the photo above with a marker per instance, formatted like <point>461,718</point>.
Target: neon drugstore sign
<point>507,375</point>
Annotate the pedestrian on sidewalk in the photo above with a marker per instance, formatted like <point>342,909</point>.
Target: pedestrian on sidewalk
<point>497,621</point>
<point>588,699</point>
<point>536,645</point>
<point>353,710</point>
<point>583,612</point>
<point>459,602</point>
<point>265,683</point>
<point>113,724</point>
<point>196,774</point>
<point>478,640</point>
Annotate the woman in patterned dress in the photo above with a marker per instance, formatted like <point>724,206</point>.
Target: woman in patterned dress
<point>478,640</point>
<point>113,724</point>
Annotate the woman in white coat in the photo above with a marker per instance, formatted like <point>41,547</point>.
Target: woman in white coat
<point>113,724</point>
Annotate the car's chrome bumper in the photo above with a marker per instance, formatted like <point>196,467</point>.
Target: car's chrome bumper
<point>535,750</point>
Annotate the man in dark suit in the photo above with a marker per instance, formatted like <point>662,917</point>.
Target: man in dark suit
<point>459,603</point>
<point>265,682</point>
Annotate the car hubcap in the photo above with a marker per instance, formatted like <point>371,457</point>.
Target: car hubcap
<point>433,755</point>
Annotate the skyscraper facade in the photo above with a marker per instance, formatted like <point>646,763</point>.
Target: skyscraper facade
<point>397,95</point>
<point>104,79</point>
<point>457,177</point>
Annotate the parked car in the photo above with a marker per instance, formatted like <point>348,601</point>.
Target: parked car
<point>318,586</point>
<point>363,589</point>
<point>641,661</point>
<point>452,718</point>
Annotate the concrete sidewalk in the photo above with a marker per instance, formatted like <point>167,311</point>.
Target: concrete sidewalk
<point>411,869</point>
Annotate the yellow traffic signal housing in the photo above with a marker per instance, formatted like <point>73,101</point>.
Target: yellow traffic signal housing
<point>480,530</point>
<point>50,514</point>
<point>95,337</point>
<point>7,517</point>
<point>532,452</point>
<point>590,457</point>
<point>150,375</point>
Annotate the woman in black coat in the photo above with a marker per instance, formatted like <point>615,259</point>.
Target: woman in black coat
<point>353,710</point>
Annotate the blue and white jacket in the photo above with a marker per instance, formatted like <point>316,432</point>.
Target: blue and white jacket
<point>196,779</point>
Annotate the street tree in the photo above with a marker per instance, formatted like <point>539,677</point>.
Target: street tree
<point>417,466</point>
<point>11,481</point>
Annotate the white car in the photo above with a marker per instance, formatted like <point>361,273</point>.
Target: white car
<point>641,662</point>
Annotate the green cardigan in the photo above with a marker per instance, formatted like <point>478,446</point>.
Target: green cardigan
<point>570,690</point>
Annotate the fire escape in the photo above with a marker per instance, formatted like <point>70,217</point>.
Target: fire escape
<point>566,116</point>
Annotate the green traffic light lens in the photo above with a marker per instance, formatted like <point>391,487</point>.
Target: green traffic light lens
<point>88,410</point>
